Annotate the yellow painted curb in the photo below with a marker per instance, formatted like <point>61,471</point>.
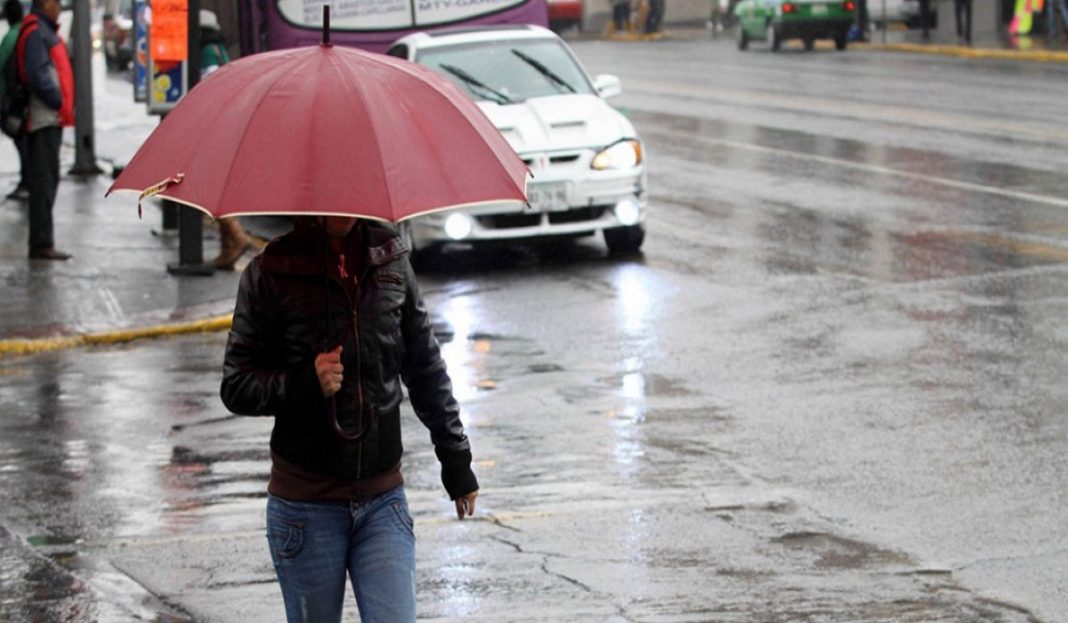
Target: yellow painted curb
<point>1040,56</point>
<point>41,345</point>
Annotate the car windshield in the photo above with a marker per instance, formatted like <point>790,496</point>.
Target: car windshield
<point>509,71</point>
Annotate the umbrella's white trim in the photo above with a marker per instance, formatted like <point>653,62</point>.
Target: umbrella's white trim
<point>456,206</point>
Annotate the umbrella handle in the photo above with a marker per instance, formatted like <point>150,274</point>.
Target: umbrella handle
<point>361,432</point>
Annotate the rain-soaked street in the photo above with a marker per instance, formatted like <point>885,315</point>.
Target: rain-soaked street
<point>830,390</point>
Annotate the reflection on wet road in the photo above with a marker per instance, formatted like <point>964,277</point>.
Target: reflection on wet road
<point>830,390</point>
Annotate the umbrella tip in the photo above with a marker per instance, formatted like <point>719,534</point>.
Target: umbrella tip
<point>326,26</point>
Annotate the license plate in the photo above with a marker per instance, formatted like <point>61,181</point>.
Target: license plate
<point>819,9</point>
<point>547,197</point>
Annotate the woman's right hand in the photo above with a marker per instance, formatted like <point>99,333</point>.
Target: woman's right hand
<point>328,368</point>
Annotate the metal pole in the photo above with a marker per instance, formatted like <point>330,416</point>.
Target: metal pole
<point>191,221</point>
<point>886,24</point>
<point>84,149</point>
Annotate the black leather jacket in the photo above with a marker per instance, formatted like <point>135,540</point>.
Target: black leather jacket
<point>280,325</point>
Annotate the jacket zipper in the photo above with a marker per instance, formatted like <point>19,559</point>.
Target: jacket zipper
<point>359,373</point>
<point>359,379</point>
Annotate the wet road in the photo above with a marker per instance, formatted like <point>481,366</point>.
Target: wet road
<point>830,390</point>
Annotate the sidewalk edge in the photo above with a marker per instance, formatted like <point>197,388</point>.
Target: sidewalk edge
<point>40,345</point>
<point>1039,56</point>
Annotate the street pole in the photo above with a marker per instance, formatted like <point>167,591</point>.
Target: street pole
<point>190,220</point>
<point>886,23</point>
<point>84,149</point>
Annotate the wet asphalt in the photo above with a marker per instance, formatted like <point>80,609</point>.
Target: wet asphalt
<point>830,389</point>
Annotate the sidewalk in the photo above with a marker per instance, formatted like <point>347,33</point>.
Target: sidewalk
<point>116,287</point>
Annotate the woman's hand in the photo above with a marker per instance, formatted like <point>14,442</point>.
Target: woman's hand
<point>466,504</point>
<point>328,368</point>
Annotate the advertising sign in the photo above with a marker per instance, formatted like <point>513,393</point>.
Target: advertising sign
<point>389,14</point>
<point>169,31</point>
<point>167,52</point>
<point>167,85</point>
<point>140,60</point>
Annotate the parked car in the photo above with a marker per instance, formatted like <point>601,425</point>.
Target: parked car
<point>118,33</point>
<point>808,20</point>
<point>902,11</point>
<point>564,14</point>
<point>586,158</point>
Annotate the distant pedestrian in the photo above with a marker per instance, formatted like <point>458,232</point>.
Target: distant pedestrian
<point>962,10</point>
<point>45,68</point>
<point>233,239</point>
<point>925,18</point>
<point>1055,7</point>
<point>863,20</point>
<point>13,15</point>
<point>328,323</point>
<point>655,18</point>
<point>621,15</point>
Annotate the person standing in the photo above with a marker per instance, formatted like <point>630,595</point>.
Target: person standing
<point>655,17</point>
<point>234,240</point>
<point>925,18</point>
<point>621,15</point>
<point>863,20</point>
<point>962,9</point>
<point>328,322</point>
<point>44,67</point>
<point>13,15</point>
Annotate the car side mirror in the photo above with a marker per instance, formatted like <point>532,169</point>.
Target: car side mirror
<point>607,86</point>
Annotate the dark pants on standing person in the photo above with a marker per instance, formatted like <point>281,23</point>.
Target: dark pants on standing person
<point>43,151</point>
<point>925,17</point>
<point>962,9</point>
<point>621,16</point>
<point>23,147</point>
<point>656,14</point>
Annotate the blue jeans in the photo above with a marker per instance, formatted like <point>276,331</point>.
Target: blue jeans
<point>313,545</point>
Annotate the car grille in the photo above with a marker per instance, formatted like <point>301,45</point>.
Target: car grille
<point>577,215</point>
<point>510,221</point>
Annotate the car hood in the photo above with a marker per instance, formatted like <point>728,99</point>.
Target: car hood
<point>558,122</point>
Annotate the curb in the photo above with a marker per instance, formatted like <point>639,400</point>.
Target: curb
<point>41,345</point>
<point>1037,56</point>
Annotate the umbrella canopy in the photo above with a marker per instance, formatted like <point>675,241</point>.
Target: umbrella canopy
<point>326,130</point>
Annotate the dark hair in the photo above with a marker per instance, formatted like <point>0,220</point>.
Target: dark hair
<point>13,11</point>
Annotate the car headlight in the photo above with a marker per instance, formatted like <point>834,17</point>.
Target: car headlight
<point>622,155</point>
<point>458,226</point>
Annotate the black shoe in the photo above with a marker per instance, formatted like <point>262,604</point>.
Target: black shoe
<point>21,193</point>
<point>48,253</point>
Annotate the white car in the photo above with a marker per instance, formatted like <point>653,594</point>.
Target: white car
<point>585,157</point>
<point>907,11</point>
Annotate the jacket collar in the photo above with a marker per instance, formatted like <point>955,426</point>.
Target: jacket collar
<point>305,250</point>
<point>44,19</point>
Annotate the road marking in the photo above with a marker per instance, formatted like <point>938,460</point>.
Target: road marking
<point>881,170</point>
<point>1015,246</point>
<point>853,109</point>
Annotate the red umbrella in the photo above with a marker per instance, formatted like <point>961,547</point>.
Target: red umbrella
<point>326,130</point>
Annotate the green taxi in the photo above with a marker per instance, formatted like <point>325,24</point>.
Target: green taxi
<point>808,20</point>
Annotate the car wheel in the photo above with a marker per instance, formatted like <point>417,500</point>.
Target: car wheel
<point>624,240</point>
<point>810,44</point>
<point>743,39</point>
<point>841,41</point>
